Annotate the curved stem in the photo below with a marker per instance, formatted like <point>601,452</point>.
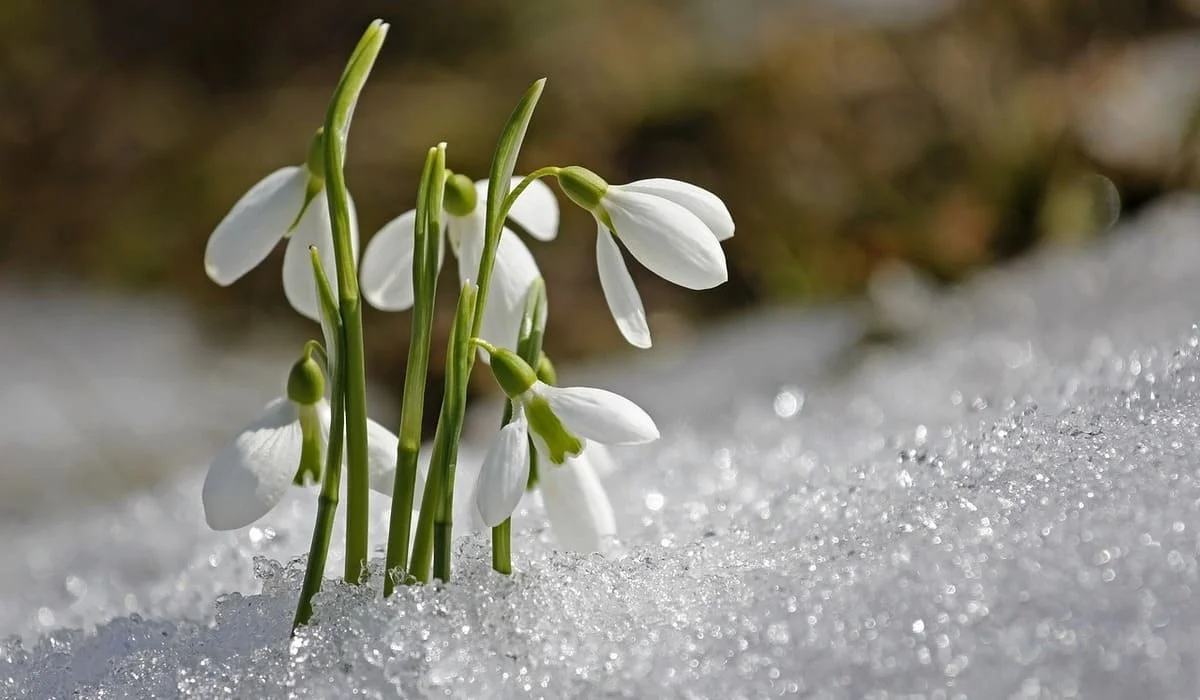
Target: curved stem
<point>337,125</point>
<point>524,183</point>
<point>327,503</point>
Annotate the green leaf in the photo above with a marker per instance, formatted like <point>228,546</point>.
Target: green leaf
<point>508,148</point>
<point>327,306</point>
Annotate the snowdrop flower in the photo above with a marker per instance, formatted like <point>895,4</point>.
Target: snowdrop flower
<point>504,473</point>
<point>673,228</point>
<point>387,267</point>
<point>288,203</point>
<point>250,475</point>
<point>576,504</point>
<point>563,418</point>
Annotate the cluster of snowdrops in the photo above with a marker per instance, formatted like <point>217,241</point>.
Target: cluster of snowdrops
<point>551,438</point>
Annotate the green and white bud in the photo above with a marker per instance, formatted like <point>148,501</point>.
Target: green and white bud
<point>513,374</point>
<point>583,186</point>
<point>460,196</point>
<point>306,382</point>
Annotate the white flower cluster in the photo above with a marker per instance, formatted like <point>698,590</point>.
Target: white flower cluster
<point>673,228</point>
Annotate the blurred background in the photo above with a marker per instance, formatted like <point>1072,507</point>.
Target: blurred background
<point>861,145</point>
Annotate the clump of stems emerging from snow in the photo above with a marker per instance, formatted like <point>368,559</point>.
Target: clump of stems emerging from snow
<point>673,228</point>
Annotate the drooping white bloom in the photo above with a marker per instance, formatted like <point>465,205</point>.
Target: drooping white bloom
<point>673,228</point>
<point>580,514</point>
<point>251,474</point>
<point>264,216</point>
<point>577,506</point>
<point>563,418</point>
<point>505,472</point>
<point>387,266</point>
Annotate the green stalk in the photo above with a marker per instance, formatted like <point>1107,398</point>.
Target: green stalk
<point>461,350</point>
<point>502,547</point>
<point>427,240</point>
<point>422,552</point>
<point>435,520</point>
<point>529,348</point>
<point>436,516</point>
<point>337,125</point>
<point>327,502</point>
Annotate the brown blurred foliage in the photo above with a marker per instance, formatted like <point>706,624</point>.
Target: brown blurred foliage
<point>939,133</point>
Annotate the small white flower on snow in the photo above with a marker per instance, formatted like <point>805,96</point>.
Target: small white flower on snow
<point>673,228</point>
<point>250,475</point>
<point>387,267</point>
<point>261,218</point>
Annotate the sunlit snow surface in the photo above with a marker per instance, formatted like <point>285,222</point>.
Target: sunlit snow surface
<point>1002,505</point>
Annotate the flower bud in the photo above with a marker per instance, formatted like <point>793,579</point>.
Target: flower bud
<point>513,374</point>
<point>583,186</point>
<point>545,370</point>
<point>306,382</point>
<point>460,198</point>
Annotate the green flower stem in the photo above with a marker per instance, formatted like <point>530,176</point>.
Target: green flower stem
<point>422,551</point>
<point>436,515</point>
<point>462,352</point>
<point>526,182</point>
<point>502,547</point>
<point>435,520</point>
<point>529,348</point>
<point>426,242</point>
<point>337,125</point>
<point>498,201</point>
<point>327,502</point>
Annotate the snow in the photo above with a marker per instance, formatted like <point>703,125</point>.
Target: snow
<point>1002,504</point>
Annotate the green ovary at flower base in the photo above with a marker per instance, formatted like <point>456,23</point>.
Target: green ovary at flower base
<point>673,228</point>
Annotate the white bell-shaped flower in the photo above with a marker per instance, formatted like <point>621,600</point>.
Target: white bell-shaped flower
<point>576,504</point>
<point>251,474</point>
<point>267,214</point>
<point>387,268</point>
<point>580,514</point>
<point>562,418</point>
<point>673,228</point>
<point>505,472</point>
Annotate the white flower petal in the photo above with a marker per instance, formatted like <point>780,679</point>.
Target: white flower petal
<point>250,474</point>
<point>598,415</point>
<point>707,206</point>
<point>669,240</point>
<point>513,273</point>
<point>313,229</point>
<point>387,265</point>
<point>580,514</point>
<point>619,291</point>
<point>504,474</point>
<point>536,209</point>
<point>255,225</point>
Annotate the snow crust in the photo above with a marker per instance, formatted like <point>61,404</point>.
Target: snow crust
<point>1003,504</point>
